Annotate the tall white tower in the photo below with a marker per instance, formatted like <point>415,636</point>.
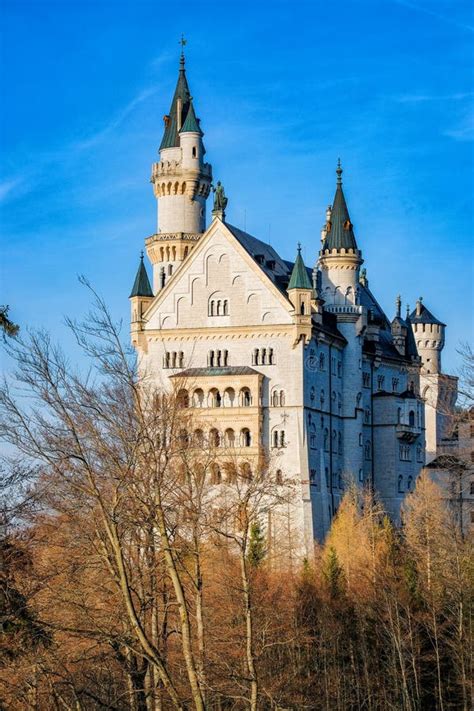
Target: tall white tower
<point>438,390</point>
<point>181,183</point>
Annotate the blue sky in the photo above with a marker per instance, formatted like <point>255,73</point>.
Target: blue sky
<point>282,88</point>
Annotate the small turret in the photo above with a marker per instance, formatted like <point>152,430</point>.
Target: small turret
<point>140,297</point>
<point>429,337</point>
<point>300,293</point>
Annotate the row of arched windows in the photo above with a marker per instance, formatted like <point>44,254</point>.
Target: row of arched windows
<point>173,359</point>
<point>215,398</point>
<point>215,438</point>
<point>263,356</point>
<point>218,307</point>
<point>278,438</point>
<point>218,358</point>
<point>278,398</point>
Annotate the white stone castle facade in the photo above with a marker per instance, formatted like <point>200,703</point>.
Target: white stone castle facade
<point>300,363</point>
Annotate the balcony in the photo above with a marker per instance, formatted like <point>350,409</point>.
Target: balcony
<point>408,433</point>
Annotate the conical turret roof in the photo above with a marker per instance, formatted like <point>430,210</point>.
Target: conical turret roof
<point>423,315</point>
<point>141,285</point>
<point>299,276</point>
<point>191,124</point>
<point>340,232</point>
<point>183,95</point>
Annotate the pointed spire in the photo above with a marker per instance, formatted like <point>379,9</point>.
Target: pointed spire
<point>191,123</point>
<point>340,233</point>
<point>299,276</point>
<point>141,285</point>
<point>179,108</point>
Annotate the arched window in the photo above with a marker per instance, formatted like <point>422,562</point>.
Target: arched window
<point>170,269</point>
<point>275,438</point>
<point>173,359</point>
<point>199,438</point>
<point>409,483</point>
<point>230,437</point>
<point>264,356</point>
<point>245,437</point>
<point>194,151</point>
<point>279,476</point>
<point>231,472</point>
<point>229,396</point>
<point>321,361</point>
<point>216,476</point>
<point>326,440</point>
<point>400,484</point>
<point>226,357</point>
<point>411,418</point>
<point>275,398</point>
<point>225,308</point>
<point>219,359</point>
<point>246,471</point>
<point>214,438</point>
<point>256,357</point>
<point>211,308</point>
<point>183,398</point>
<point>245,397</point>
<point>282,398</point>
<point>282,439</point>
<point>181,359</point>
<point>211,358</point>
<point>271,358</point>
<point>302,308</point>
<point>167,359</point>
<point>214,398</point>
<point>399,415</point>
<point>322,397</point>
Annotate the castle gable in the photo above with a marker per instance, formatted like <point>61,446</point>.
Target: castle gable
<point>219,284</point>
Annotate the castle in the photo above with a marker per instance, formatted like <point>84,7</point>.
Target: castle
<point>300,362</point>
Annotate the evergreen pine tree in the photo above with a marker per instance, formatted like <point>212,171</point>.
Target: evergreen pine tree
<point>257,550</point>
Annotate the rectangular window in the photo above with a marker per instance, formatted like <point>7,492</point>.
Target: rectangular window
<point>366,379</point>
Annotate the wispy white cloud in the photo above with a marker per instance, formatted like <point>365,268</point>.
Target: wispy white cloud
<point>8,187</point>
<point>96,138</point>
<point>463,132</point>
<point>433,13</point>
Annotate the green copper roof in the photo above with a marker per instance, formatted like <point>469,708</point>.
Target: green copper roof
<point>340,234</point>
<point>299,276</point>
<point>191,124</point>
<point>141,285</point>
<point>170,137</point>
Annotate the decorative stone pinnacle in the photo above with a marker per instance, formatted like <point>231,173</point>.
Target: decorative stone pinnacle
<point>398,303</point>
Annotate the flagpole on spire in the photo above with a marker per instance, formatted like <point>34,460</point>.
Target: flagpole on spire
<point>182,42</point>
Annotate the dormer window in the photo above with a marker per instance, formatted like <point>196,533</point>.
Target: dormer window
<point>260,258</point>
